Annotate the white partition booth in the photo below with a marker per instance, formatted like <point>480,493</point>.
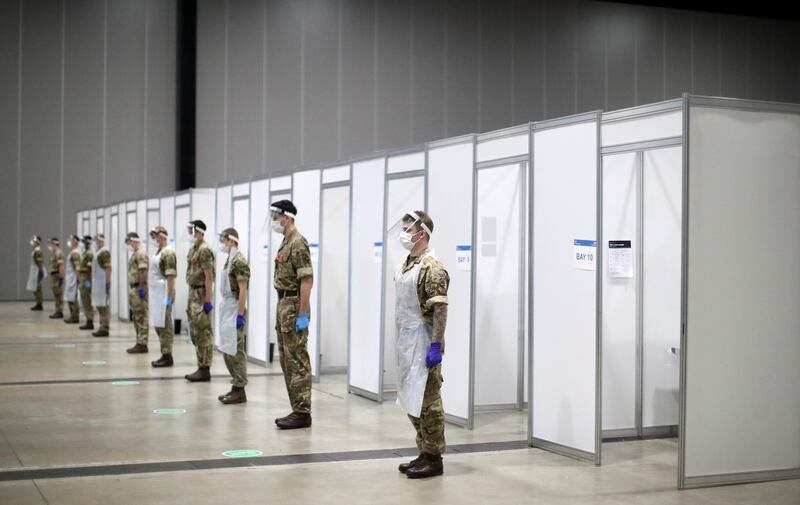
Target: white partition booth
<point>152,219</point>
<point>167,219</point>
<point>128,221</point>
<point>306,197</point>
<point>332,269</point>
<point>499,267</point>
<point>258,336</point>
<point>189,205</point>
<point>364,366</point>
<point>116,247</point>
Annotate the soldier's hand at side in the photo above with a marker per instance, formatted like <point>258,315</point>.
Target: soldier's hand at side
<point>142,293</point>
<point>207,307</point>
<point>87,284</point>
<point>41,274</point>
<point>60,282</point>
<point>108,287</point>
<point>434,356</point>
<point>302,323</point>
<point>239,321</point>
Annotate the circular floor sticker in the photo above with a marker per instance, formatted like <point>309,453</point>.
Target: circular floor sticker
<point>168,412</point>
<point>125,383</point>
<point>242,453</point>
<point>64,346</point>
<point>96,362</point>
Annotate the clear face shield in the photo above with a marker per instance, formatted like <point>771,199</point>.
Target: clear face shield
<point>407,231</point>
<point>191,229</point>
<point>34,241</point>
<point>223,245</point>
<point>274,221</point>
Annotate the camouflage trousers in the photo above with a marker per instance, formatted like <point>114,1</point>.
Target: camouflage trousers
<point>430,423</point>
<point>38,293</point>
<point>237,365</point>
<point>74,312</point>
<point>293,348</point>
<point>58,292</point>
<point>102,313</point>
<point>200,327</point>
<point>167,333</point>
<point>139,315</point>
<point>86,300</point>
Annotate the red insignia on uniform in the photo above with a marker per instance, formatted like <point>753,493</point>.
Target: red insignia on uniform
<point>278,258</point>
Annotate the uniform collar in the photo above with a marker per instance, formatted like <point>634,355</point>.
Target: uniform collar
<point>407,266</point>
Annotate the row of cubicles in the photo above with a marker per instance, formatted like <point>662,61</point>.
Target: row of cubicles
<point>621,274</point>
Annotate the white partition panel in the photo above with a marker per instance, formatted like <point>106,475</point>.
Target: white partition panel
<point>167,220</point>
<point>642,129</point>
<point>305,196</point>
<point>241,223</point>
<point>402,196</point>
<point>366,252</point>
<point>224,219</point>
<point>620,203</point>
<point>153,220</point>
<point>450,206</point>
<point>563,405</point>
<point>128,211</point>
<point>275,241</point>
<point>92,223</point>
<point>499,281</point>
<point>141,221</point>
<point>182,217</point>
<point>115,247</point>
<point>333,277</point>
<point>260,282</point>
<point>740,387</point>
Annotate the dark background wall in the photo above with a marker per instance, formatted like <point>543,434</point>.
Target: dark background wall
<point>295,82</point>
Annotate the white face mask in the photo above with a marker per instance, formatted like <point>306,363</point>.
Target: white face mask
<point>222,247</point>
<point>277,227</point>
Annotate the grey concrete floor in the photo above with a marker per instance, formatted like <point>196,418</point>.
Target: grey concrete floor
<point>57,412</point>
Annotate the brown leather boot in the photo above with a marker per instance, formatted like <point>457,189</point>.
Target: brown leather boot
<point>202,374</point>
<point>223,395</point>
<point>137,349</point>
<point>57,315</point>
<point>430,466</point>
<point>164,361</point>
<point>295,421</point>
<point>404,467</point>
<point>88,326</point>
<point>237,395</point>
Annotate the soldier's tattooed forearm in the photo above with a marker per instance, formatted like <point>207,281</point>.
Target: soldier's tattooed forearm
<point>439,322</point>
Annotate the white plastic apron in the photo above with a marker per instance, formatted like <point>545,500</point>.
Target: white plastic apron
<point>228,310</point>
<point>70,283</point>
<point>413,340</point>
<point>99,296</point>
<point>156,293</point>
<point>33,275</point>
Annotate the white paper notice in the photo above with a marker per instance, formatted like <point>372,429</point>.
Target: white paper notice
<point>314,250</point>
<point>464,257</point>
<point>265,253</point>
<point>584,254</point>
<point>377,252</point>
<point>620,259</point>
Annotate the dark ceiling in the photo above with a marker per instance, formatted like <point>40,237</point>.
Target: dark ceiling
<point>765,8</point>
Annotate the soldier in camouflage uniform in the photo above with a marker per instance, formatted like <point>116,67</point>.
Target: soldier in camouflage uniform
<point>167,264</point>
<point>137,291</point>
<point>293,280</point>
<point>200,278</point>
<point>85,274</point>
<point>57,277</point>
<point>234,293</point>
<point>37,259</point>
<point>102,261</point>
<point>73,267</point>
<point>432,283</point>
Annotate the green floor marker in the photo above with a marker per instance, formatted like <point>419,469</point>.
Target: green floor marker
<point>64,346</point>
<point>169,411</point>
<point>96,362</point>
<point>242,453</point>
<point>125,383</point>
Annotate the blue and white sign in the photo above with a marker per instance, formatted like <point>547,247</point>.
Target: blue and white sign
<point>314,250</point>
<point>377,252</point>
<point>464,257</point>
<point>585,254</point>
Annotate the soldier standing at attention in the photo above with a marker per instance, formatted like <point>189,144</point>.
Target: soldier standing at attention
<point>57,277</point>
<point>234,282</point>
<point>37,272</point>
<point>293,280</point>
<point>421,284</point>
<point>85,272</point>
<point>163,270</point>
<point>71,280</point>
<point>137,291</point>
<point>101,283</point>
<point>200,278</point>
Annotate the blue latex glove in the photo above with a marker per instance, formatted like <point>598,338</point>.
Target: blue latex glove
<point>434,356</point>
<point>302,323</point>
<point>170,301</point>
<point>108,287</point>
<point>239,321</point>
<point>207,307</point>
<point>87,284</point>
<point>41,274</point>
<point>60,282</point>
<point>142,293</point>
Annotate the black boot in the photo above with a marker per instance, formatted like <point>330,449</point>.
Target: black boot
<point>236,395</point>
<point>164,361</point>
<point>430,466</point>
<point>294,421</point>
<point>404,467</point>
<point>88,326</point>
<point>57,315</point>
<point>202,374</point>
<point>100,333</point>
<point>223,395</point>
<point>38,306</point>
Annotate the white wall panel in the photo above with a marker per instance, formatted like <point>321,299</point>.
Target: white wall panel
<point>260,282</point>
<point>333,277</point>
<point>657,126</point>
